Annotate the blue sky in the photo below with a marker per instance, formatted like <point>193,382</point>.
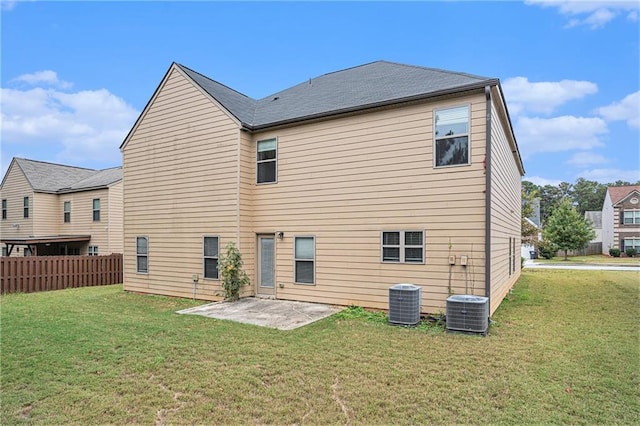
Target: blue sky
<point>76,75</point>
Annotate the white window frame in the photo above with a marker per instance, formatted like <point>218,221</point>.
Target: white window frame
<point>301,259</point>
<point>4,209</point>
<point>25,207</point>
<point>94,210</point>
<point>138,255</point>
<point>204,269</point>
<point>274,160</point>
<point>402,246</point>
<point>635,244</point>
<point>436,137</point>
<point>66,214</point>
<point>635,217</point>
<point>93,251</point>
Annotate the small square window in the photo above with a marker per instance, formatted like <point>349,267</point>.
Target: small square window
<point>403,246</point>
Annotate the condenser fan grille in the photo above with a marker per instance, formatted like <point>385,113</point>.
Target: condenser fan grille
<point>468,313</point>
<point>404,304</point>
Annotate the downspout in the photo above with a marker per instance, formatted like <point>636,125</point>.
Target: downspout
<point>487,207</point>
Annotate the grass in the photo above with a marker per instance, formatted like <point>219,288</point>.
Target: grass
<point>563,349</point>
<point>594,259</point>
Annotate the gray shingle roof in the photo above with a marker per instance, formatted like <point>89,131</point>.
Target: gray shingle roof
<point>53,178</point>
<point>360,87</point>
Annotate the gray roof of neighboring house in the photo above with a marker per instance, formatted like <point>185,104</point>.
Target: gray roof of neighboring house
<point>595,218</point>
<point>53,178</point>
<point>365,86</point>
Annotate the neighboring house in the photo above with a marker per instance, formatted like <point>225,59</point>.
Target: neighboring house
<point>53,209</point>
<point>594,218</point>
<point>334,189</point>
<point>621,218</point>
<point>528,251</point>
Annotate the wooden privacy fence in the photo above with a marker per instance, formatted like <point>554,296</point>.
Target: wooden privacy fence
<point>43,273</point>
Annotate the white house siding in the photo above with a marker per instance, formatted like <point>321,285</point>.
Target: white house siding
<point>15,187</point>
<point>180,183</point>
<point>505,215</point>
<point>346,180</point>
<point>607,224</point>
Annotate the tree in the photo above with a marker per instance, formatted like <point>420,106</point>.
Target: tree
<point>528,231</point>
<point>588,195</point>
<point>550,197</point>
<point>567,229</point>
<point>233,277</point>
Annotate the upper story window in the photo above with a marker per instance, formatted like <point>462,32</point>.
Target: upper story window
<point>631,217</point>
<point>67,211</point>
<point>4,209</point>
<point>266,161</point>
<point>96,209</point>
<point>403,246</point>
<point>451,141</point>
<point>25,203</point>
<point>142,255</point>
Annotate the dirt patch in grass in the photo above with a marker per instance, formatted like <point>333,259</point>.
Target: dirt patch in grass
<point>563,348</point>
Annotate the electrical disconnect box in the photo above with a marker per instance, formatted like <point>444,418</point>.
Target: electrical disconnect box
<point>463,260</point>
<point>452,260</point>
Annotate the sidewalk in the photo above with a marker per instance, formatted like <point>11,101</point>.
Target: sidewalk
<point>531,264</point>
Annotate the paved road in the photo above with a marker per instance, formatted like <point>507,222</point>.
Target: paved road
<point>532,265</point>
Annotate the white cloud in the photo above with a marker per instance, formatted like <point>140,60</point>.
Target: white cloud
<point>565,133</point>
<point>87,125</point>
<point>8,4</point>
<point>628,109</point>
<point>594,13</point>
<point>545,96</point>
<point>540,181</point>
<point>585,158</point>
<point>611,175</point>
<point>46,77</point>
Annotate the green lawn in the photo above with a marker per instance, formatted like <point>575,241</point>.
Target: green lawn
<point>564,348</point>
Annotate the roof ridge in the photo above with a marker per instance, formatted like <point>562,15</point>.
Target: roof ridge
<point>438,70</point>
<point>55,164</point>
<point>215,81</point>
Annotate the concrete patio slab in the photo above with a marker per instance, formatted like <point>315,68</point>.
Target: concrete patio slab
<point>280,314</point>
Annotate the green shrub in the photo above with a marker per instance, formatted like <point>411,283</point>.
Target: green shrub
<point>547,249</point>
<point>233,277</point>
<point>630,251</point>
<point>615,252</point>
<point>522,260</point>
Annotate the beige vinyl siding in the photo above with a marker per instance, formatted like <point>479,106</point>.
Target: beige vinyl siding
<point>47,214</point>
<point>180,168</point>
<point>505,210</point>
<point>113,214</point>
<point>82,219</point>
<point>346,180</point>
<point>15,187</point>
<point>247,179</point>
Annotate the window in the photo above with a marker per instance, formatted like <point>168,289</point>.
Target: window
<point>96,209</point>
<point>211,250</point>
<point>631,242</point>
<point>403,246</point>
<point>26,207</point>
<point>142,255</point>
<point>451,137</point>
<point>27,251</point>
<point>266,161</point>
<point>4,209</point>
<point>4,251</point>
<point>92,251</point>
<point>631,217</point>
<point>304,260</point>
<point>67,211</point>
